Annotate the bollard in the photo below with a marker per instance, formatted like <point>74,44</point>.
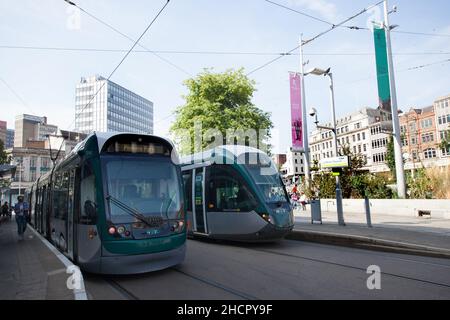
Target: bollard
<point>367,205</point>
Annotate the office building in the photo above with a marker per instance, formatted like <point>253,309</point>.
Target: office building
<point>9,138</point>
<point>32,131</point>
<point>3,130</point>
<point>113,108</point>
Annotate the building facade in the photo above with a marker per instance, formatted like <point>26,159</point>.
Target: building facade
<point>279,159</point>
<point>9,138</point>
<point>442,112</point>
<point>114,108</point>
<point>293,170</point>
<point>30,130</point>
<point>3,130</point>
<point>363,132</point>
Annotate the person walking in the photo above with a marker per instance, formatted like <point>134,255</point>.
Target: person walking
<point>5,209</point>
<point>303,201</point>
<point>21,211</point>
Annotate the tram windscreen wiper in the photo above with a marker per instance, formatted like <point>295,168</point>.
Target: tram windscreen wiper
<point>131,211</point>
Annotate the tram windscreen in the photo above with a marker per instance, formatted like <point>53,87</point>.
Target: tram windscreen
<point>151,186</point>
<point>266,176</point>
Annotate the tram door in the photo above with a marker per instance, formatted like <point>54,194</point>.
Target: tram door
<point>70,214</point>
<point>198,200</point>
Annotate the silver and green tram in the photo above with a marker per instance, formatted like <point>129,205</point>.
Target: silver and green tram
<point>235,193</point>
<point>114,205</point>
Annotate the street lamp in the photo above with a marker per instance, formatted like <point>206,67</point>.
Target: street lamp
<point>313,112</point>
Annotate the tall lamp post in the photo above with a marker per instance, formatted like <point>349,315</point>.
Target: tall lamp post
<point>399,169</point>
<point>320,72</point>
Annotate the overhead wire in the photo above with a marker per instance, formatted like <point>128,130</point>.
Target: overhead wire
<point>124,57</point>
<point>130,38</point>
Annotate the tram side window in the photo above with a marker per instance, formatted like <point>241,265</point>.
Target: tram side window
<point>187,183</point>
<point>61,195</point>
<point>87,195</point>
<point>228,191</point>
<point>55,193</point>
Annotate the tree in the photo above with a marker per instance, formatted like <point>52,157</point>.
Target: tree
<point>390,156</point>
<point>445,143</point>
<point>4,159</point>
<point>356,183</point>
<point>218,104</point>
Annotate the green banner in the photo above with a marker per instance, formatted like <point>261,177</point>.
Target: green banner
<point>384,88</point>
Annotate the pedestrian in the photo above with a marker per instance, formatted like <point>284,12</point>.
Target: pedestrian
<point>294,199</point>
<point>21,211</point>
<point>303,201</point>
<point>5,209</point>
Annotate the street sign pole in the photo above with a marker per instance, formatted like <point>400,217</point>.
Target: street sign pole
<point>339,206</point>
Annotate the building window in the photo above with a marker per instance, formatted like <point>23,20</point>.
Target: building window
<point>427,123</point>
<point>404,142</point>
<point>428,137</point>
<point>430,153</point>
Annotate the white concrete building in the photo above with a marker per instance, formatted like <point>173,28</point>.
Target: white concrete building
<point>114,108</point>
<point>293,169</point>
<point>362,131</point>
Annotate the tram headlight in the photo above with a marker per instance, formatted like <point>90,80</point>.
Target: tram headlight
<point>112,230</point>
<point>121,230</point>
<point>177,226</point>
<point>266,217</point>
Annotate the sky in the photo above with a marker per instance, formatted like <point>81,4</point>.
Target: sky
<point>42,82</point>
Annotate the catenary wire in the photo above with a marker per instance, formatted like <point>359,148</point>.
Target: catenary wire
<point>130,39</point>
<point>124,57</point>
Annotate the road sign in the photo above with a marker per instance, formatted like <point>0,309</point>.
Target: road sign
<point>337,162</point>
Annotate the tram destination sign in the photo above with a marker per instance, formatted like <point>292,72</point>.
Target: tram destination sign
<point>337,162</point>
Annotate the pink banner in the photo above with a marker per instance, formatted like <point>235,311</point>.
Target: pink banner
<point>296,111</point>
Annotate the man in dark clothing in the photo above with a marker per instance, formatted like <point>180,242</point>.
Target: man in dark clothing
<point>21,210</point>
<point>5,210</point>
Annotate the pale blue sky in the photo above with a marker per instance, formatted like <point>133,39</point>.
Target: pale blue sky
<point>46,79</point>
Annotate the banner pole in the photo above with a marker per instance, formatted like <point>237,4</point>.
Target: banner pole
<point>305,119</point>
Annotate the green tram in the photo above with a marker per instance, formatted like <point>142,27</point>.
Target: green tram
<point>235,193</point>
<point>114,205</point>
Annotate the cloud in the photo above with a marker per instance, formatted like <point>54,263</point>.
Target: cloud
<point>324,8</point>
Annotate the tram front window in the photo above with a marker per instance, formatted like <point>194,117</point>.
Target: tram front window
<point>266,177</point>
<point>149,186</point>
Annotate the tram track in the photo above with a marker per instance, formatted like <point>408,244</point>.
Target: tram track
<point>128,295</point>
<point>217,285</point>
<point>347,266</point>
<point>121,290</point>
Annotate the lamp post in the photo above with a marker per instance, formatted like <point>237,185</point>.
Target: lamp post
<point>399,169</point>
<point>320,72</point>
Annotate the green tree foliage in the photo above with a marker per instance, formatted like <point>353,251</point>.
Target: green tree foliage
<point>445,143</point>
<point>390,156</point>
<point>4,159</point>
<point>420,186</point>
<point>219,101</point>
<point>355,182</point>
